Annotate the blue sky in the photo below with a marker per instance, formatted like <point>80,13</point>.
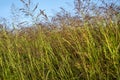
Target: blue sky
<point>50,6</point>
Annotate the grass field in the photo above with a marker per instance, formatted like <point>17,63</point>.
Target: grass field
<point>82,53</point>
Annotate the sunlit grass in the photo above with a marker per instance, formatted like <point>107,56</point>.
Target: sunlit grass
<point>83,53</point>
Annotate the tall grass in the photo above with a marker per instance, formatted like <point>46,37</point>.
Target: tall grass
<point>83,53</point>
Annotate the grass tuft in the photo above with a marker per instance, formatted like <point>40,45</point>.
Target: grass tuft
<point>82,53</point>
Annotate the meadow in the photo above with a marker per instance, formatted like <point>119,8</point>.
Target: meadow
<point>81,53</point>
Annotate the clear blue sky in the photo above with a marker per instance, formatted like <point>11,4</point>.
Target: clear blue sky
<point>50,6</point>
